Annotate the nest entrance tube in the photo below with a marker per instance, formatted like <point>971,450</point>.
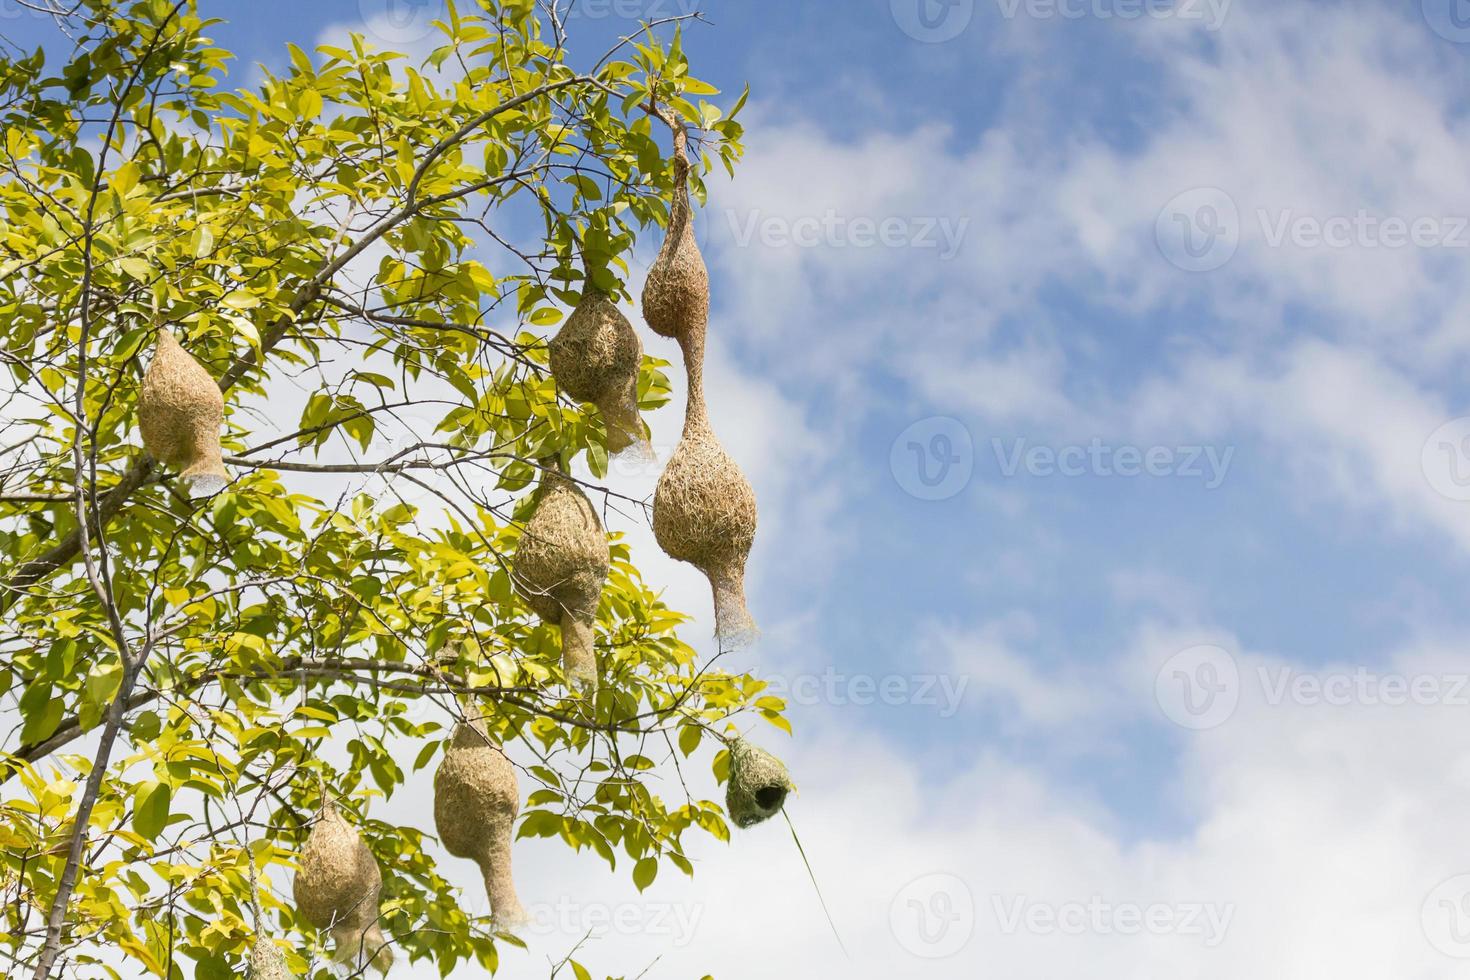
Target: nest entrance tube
<point>337,889</point>
<point>560,567</point>
<point>267,962</point>
<point>476,801</point>
<point>595,357</point>
<point>758,784</point>
<point>180,412</point>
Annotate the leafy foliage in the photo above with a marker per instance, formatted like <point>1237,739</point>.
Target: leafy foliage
<point>344,247</point>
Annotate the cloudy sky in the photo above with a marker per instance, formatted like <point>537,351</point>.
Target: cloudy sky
<point>1099,365</point>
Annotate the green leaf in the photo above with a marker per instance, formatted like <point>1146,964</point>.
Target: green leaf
<point>43,720</point>
<point>644,872</point>
<point>689,738</point>
<point>150,808</point>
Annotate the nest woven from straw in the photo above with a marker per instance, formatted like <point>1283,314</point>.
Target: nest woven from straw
<point>337,889</point>
<point>758,784</point>
<point>676,293</point>
<point>476,801</point>
<point>595,358</point>
<point>704,512</point>
<point>180,412</point>
<point>560,567</point>
<point>267,962</point>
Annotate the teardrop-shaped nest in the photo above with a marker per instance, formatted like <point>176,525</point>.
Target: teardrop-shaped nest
<point>476,801</point>
<point>595,358</point>
<point>338,885</point>
<point>180,412</point>
<point>560,567</point>
<point>476,794</point>
<point>267,962</point>
<point>676,293</point>
<point>758,784</point>
<point>704,512</point>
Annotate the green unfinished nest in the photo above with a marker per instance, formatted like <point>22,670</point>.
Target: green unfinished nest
<point>180,411</point>
<point>758,784</point>
<point>595,358</point>
<point>476,802</point>
<point>560,567</point>
<point>267,962</point>
<point>337,889</point>
<point>676,293</point>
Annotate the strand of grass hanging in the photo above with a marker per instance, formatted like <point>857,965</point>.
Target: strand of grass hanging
<point>815,887</point>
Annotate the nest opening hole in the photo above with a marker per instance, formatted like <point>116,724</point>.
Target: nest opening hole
<point>770,797</point>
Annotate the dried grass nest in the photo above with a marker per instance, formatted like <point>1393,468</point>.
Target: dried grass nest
<point>676,293</point>
<point>180,411</point>
<point>758,784</point>
<point>704,512</point>
<point>267,962</point>
<point>476,801</point>
<point>337,889</point>
<point>560,567</point>
<point>595,357</point>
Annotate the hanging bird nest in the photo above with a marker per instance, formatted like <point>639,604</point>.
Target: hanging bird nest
<point>704,512</point>
<point>181,410</point>
<point>595,358</point>
<point>476,801</point>
<point>676,293</point>
<point>337,889</point>
<point>560,567</point>
<point>758,784</point>
<point>267,962</point>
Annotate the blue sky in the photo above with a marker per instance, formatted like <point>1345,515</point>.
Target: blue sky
<point>1067,146</point>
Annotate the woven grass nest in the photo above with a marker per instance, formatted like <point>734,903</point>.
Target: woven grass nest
<point>676,293</point>
<point>267,962</point>
<point>560,567</point>
<point>758,784</point>
<point>337,889</point>
<point>704,512</point>
<point>476,801</point>
<point>180,411</point>
<point>595,358</point>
